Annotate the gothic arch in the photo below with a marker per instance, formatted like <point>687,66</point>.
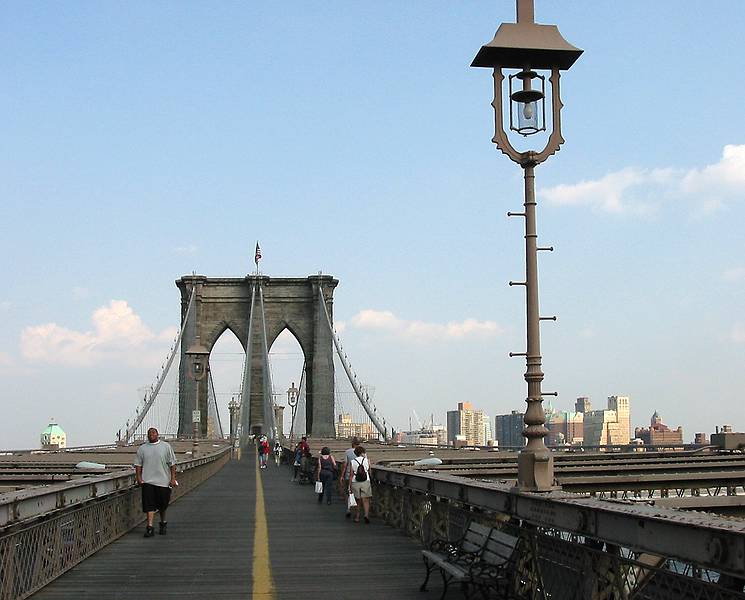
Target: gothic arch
<point>216,333</point>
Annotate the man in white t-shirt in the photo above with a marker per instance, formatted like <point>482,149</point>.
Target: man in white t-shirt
<point>346,472</point>
<point>155,469</point>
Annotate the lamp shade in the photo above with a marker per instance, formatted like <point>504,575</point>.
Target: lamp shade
<point>521,45</point>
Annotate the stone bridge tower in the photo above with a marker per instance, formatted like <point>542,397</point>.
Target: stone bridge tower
<point>289,303</point>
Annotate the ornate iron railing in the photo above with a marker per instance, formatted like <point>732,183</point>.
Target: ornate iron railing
<point>575,548</point>
<point>45,532</point>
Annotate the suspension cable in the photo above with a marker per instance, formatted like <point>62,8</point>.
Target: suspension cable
<point>211,394</point>
<point>245,406</point>
<point>350,375</point>
<point>300,406</point>
<point>268,396</point>
<point>130,431</point>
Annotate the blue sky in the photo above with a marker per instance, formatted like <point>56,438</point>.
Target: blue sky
<point>144,141</point>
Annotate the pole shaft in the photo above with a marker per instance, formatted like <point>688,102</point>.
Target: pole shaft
<point>535,417</point>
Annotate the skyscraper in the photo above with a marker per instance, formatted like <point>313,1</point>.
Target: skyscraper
<point>611,426</point>
<point>466,425</point>
<point>508,429</point>
<point>583,405</point>
<point>622,407</point>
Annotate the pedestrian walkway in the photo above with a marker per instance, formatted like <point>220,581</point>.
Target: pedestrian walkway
<point>216,547</point>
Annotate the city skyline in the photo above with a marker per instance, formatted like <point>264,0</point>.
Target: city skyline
<point>147,142</point>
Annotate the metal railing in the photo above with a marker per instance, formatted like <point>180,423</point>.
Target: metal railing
<point>47,531</point>
<point>571,547</point>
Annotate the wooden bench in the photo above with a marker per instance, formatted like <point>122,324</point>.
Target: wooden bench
<point>480,559</point>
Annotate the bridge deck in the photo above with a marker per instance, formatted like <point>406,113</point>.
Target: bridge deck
<point>209,552</point>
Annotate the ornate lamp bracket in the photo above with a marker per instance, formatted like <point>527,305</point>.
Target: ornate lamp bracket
<point>555,140</point>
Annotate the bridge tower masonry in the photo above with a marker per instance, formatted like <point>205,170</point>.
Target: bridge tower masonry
<point>289,303</point>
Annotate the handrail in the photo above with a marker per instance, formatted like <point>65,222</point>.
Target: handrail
<point>704,539</point>
<point>31,503</point>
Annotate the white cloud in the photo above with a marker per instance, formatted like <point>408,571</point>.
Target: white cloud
<point>734,274</point>
<point>118,334</point>
<point>5,305</point>
<point>640,191</point>
<point>5,360</point>
<point>737,334</point>
<point>187,249</point>
<point>80,292</point>
<point>419,330</point>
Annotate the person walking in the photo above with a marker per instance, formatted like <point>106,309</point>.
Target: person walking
<point>306,468</point>
<point>346,472</point>
<point>326,473</point>
<point>155,471</point>
<point>277,452</point>
<point>263,451</point>
<point>297,462</point>
<point>360,485</point>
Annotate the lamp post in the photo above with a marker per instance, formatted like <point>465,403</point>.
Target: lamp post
<point>233,407</point>
<point>292,398</point>
<point>198,355</point>
<point>527,48</point>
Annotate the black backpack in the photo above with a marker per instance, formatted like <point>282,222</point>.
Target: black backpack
<point>361,474</point>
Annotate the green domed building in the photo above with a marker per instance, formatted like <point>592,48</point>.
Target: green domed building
<point>53,437</point>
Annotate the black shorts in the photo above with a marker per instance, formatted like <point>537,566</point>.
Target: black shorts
<point>155,497</point>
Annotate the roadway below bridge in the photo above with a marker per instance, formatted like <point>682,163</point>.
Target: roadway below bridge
<point>706,480</point>
<point>250,533</point>
<point>21,469</point>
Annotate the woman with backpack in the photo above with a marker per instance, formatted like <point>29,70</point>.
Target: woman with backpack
<point>360,483</point>
<point>326,473</point>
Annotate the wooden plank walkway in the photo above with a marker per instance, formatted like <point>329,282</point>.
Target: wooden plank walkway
<point>208,553</point>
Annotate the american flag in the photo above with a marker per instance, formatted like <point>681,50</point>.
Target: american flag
<point>257,256</point>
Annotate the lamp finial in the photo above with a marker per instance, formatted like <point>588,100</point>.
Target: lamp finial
<point>525,11</point>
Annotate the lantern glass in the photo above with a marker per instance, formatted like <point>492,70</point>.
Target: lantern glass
<point>527,117</point>
<point>527,102</point>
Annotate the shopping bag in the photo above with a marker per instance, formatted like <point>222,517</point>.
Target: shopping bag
<point>351,501</point>
<point>319,487</point>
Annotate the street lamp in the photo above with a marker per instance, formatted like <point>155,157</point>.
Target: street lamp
<point>292,398</point>
<point>233,407</point>
<point>198,355</point>
<point>528,48</point>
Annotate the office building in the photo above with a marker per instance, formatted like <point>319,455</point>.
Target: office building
<point>565,428</point>
<point>466,425</point>
<point>346,428</point>
<point>610,427</point>
<point>621,405</point>
<point>658,434</point>
<point>508,430</point>
<point>701,439</point>
<point>582,405</point>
